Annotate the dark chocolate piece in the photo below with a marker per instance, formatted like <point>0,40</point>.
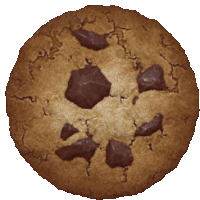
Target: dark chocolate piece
<point>149,128</point>
<point>118,154</point>
<point>90,39</point>
<point>83,148</point>
<point>67,131</point>
<point>86,87</point>
<point>151,79</point>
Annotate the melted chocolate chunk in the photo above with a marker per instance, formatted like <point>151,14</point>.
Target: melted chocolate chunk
<point>84,148</point>
<point>149,128</point>
<point>118,154</point>
<point>67,131</point>
<point>86,87</point>
<point>90,39</point>
<point>151,79</point>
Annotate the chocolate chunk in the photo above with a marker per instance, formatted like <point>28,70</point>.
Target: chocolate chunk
<point>118,154</point>
<point>67,131</point>
<point>90,39</point>
<point>151,79</point>
<point>84,148</point>
<point>149,128</point>
<point>86,87</point>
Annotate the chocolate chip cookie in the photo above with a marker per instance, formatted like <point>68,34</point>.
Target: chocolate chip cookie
<point>102,102</point>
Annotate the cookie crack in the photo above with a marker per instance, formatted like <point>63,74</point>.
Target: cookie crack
<point>162,134</point>
<point>70,58</point>
<point>176,85</point>
<point>112,21</point>
<point>144,27</point>
<point>37,66</point>
<point>122,98</point>
<point>162,37</point>
<point>89,135</point>
<point>131,143</point>
<point>87,168</point>
<point>31,74</point>
<point>134,123</point>
<point>122,42</point>
<point>23,136</point>
<point>44,109</point>
<point>43,159</point>
<point>133,139</point>
<point>125,175</point>
<point>88,61</point>
<point>150,147</point>
<point>173,65</point>
<point>32,151</point>
<point>86,21</point>
<point>56,45</point>
<point>45,112</point>
<point>22,139</point>
<point>113,96</point>
<point>175,89</point>
<point>135,100</point>
<point>87,128</point>
<point>33,99</point>
<point>118,31</point>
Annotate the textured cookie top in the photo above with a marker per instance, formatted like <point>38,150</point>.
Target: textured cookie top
<point>102,102</point>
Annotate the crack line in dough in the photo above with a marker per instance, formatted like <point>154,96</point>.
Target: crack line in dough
<point>174,65</point>
<point>33,99</point>
<point>162,37</point>
<point>175,89</point>
<point>125,174</point>
<point>32,151</point>
<point>114,33</point>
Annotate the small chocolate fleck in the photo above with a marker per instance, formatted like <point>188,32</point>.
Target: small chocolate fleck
<point>151,79</point>
<point>86,87</point>
<point>135,99</point>
<point>90,39</point>
<point>118,154</point>
<point>84,148</point>
<point>149,128</point>
<point>67,131</point>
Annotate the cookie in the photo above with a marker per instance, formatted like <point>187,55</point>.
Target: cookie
<point>99,106</point>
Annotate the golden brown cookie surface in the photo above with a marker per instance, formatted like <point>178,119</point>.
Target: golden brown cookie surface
<point>39,82</point>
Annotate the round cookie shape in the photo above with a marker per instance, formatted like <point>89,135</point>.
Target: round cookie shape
<point>98,102</point>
